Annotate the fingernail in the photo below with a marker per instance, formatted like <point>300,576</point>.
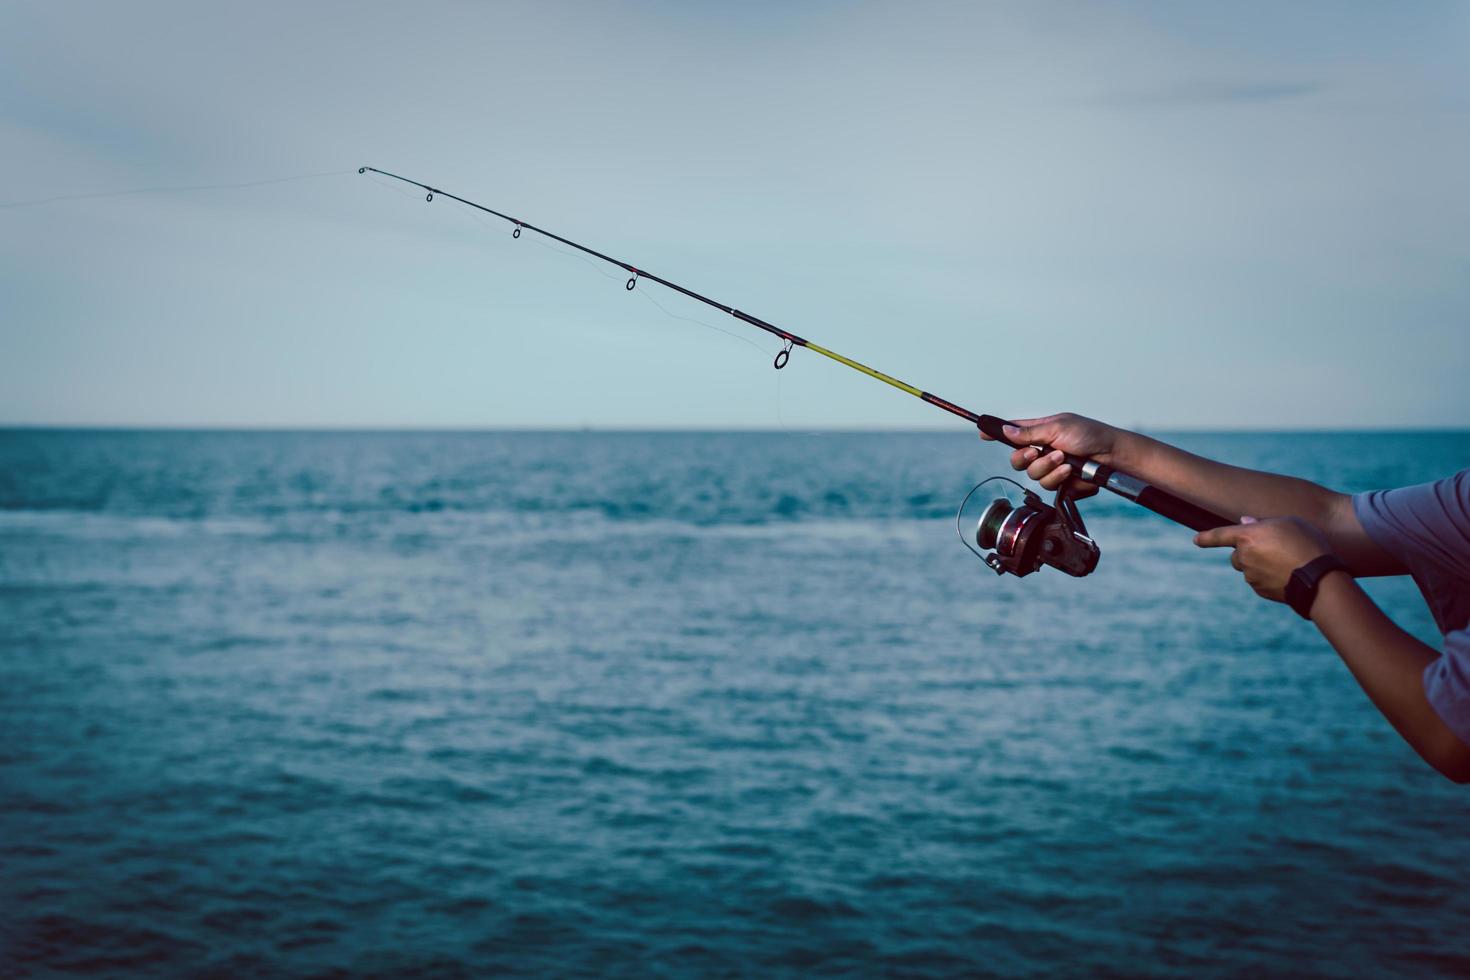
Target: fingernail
<point>1010,430</point>
<point>1032,452</point>
<point>1247,520</point>
<point>1058,455</point>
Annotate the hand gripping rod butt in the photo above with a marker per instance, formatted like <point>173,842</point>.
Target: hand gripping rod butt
<point>1161,502</point>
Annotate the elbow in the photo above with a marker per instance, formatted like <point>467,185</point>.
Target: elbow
<point>1452,760</point>
<point>1334,510</point>
<point>1458,772</point>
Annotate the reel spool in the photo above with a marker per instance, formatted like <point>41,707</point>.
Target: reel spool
<point>1020,535</point>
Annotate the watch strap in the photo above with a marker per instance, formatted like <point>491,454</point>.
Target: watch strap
<point>1301,588</point>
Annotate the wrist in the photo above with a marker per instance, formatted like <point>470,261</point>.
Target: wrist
<point>1334,587</point>
<point>1304,587</point>
<point>1125,450</point>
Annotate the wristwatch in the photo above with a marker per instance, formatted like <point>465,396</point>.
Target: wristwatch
<point>1301,588</point>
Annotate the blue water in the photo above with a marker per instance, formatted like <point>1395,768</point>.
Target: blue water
<point>670,704</point>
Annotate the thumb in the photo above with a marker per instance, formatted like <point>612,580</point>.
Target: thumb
<point>1039,434</point>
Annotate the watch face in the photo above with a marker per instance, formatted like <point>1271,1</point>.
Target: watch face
<point>1298,593</point>
<point>1301,588</point>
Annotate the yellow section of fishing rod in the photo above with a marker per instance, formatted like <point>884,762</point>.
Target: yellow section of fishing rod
<point>865,369</point>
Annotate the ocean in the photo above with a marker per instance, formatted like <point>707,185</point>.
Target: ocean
<point>679,704</point>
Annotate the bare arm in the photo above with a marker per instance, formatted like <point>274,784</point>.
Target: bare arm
<point>1236,491</point>
<point>1387,662</point>
<point>1229,490</point>
<point>1285,523</point>
<point>1225,489</point>
<point>1389,665</point>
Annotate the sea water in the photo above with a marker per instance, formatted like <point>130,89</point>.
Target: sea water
<point>661,704</point>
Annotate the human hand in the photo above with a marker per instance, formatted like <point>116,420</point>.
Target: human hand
<point>1267,551</point>
<point>1065,434</point>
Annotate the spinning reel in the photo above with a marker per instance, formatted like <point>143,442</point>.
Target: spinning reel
<point>1021,537</point>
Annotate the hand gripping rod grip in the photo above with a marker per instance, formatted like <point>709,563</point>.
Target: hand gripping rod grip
<point>1145,495</point>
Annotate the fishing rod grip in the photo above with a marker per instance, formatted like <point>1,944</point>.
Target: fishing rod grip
<point>1146,495</point>
<point>995,429</point>
<point>1177,510</point>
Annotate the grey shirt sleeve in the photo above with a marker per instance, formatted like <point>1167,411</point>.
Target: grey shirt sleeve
<point>1447,684</point>
<point>1427,527</point>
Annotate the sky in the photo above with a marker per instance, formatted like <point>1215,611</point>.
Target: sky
<point>1167,215</point>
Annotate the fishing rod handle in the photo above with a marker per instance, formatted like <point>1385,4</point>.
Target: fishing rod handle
<point>1089,469</point>
<point>1146,495</point>
<point>1162,502</point>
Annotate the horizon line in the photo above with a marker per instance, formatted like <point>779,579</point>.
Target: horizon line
<point>641,429</point>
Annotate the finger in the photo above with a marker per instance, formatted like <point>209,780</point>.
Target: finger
<point>1057,477</point>
<point>1043,465</point>
<point>1033,432</point>
<point>1237,562</point>
<point>1039,420</point>
<point>1220,537</point>
<point>987,437</point>
<point>1022,458</point>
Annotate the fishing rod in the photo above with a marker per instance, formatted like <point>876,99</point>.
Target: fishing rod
<point>1021,538</point>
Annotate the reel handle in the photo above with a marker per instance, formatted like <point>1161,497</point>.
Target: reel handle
<point>1161,502</point>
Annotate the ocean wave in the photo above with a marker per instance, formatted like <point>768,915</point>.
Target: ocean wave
<point>105,526</point>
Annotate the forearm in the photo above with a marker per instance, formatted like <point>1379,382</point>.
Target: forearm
<point>1230,491</point>
<point>1389,665</point>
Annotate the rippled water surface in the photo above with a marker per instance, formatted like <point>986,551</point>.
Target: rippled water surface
<point>666,704</point>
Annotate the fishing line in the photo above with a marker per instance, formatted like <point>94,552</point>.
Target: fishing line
<point>780,415</point>
<point>482,222</point>
<point>600,269</point>
<point>171,190</point>
<point>390,186</point>
<point>561,251</point>
<point>1033,514</point>
<point>703,323</point>
<point>780,419</point>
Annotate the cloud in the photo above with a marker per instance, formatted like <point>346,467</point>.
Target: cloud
<point>1197,92</point>
<point>1149,188</point>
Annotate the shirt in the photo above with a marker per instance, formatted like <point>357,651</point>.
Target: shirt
<point>1427,527</point>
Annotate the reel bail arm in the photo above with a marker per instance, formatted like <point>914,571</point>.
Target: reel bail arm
<point>1022,537</point>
